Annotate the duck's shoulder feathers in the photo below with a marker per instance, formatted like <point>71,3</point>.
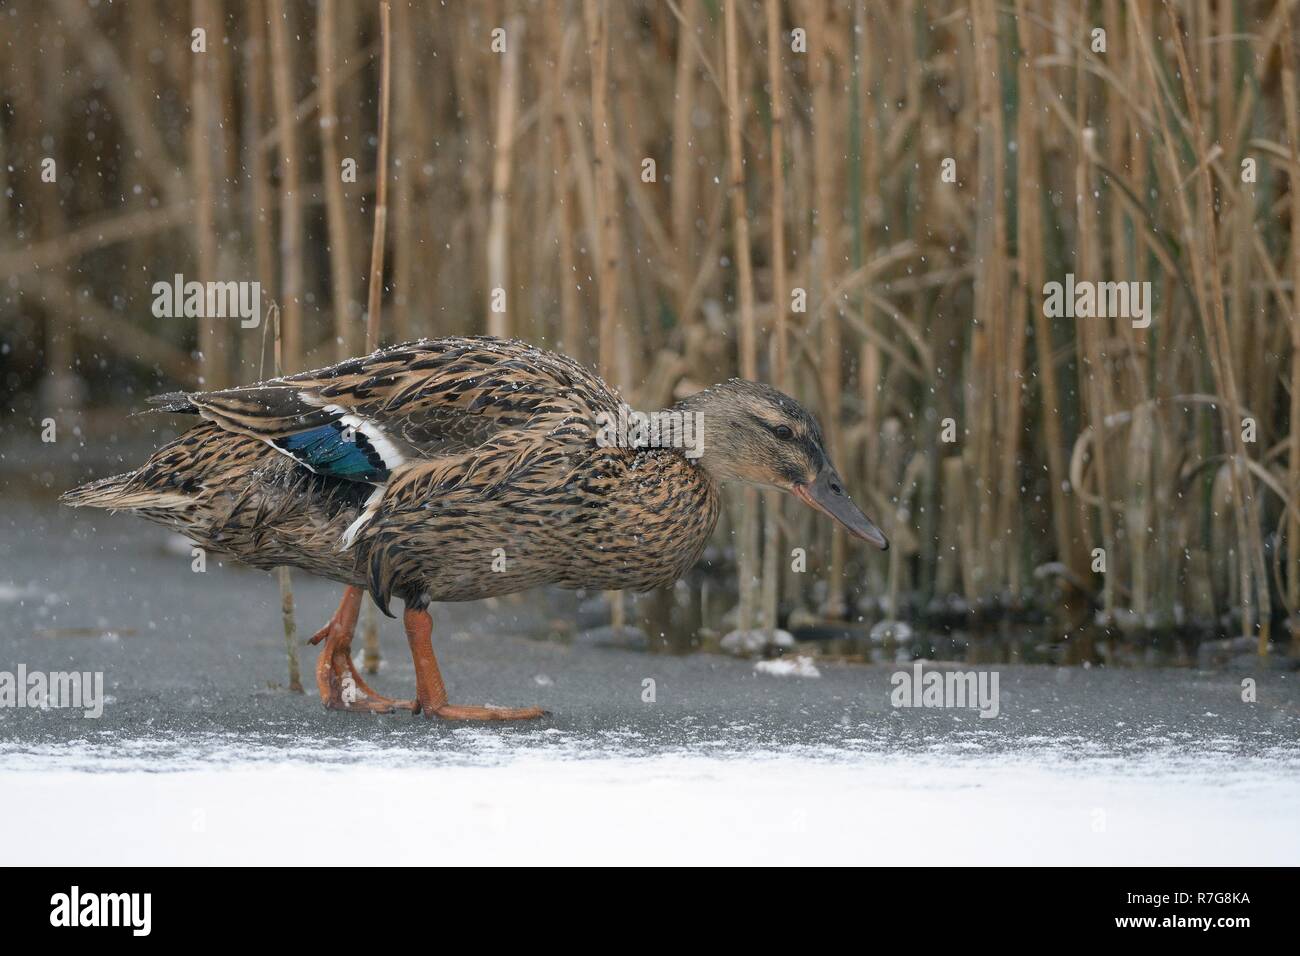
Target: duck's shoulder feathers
<point>363,418</point>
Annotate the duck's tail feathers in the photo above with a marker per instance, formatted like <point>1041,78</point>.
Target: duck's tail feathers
<point>120,493</point>
<point>96,494</point>
<point>177,403</point>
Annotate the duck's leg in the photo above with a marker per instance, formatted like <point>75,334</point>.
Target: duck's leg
<point>341,687</point>
<point>429,689</point>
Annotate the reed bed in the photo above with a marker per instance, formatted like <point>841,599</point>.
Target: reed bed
<point>859,201</point>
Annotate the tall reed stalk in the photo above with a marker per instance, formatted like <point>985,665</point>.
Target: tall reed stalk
<point>292,262</point>
<point>498,322</point>
<point>340,246</point>
<point>747,551</point>
<point>375,286</point>
<point>778,352</point>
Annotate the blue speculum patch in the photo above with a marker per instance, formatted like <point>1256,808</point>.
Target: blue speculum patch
<point>338,451</point>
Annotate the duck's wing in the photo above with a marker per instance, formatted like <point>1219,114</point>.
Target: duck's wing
<point>363,419</point>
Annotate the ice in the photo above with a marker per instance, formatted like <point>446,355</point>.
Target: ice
<point>403,806</point>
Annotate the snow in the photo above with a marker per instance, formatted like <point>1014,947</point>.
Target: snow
<point>11,593</point>
<point>818,805</point>
<point>800,666</point>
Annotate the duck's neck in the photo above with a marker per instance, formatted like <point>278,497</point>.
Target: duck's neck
<point>678,430</point>
<point>715,451</point>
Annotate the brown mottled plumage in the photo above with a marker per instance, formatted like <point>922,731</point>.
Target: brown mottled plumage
<point>461,468</point>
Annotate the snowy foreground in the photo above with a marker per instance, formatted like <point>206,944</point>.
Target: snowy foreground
<point>233,805</point>
<point>201,756</point>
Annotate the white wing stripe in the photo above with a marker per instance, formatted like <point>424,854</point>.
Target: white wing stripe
<point>372,506</point>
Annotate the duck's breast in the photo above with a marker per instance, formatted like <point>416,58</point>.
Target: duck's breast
<point>638,520</point>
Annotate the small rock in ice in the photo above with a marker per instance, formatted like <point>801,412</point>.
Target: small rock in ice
<point>745,643</point>
<point>888,630</point>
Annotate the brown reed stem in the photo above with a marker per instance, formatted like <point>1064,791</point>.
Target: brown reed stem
<point>747,552</point>
<point>340,246</point>
<point>375,290</point>
<point>283,574</point>
<point>562,42</point>
<point>291,222</point>
<point>613,357</point>
<point>780,303</point>
<point>498,261</point>
<point>1291,101</point>
<point>203,133</point>
<point>826,256</point>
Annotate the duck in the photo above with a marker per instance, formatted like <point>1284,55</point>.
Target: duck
<point>462,468</point>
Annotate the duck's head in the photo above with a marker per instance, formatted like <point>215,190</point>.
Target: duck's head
<point>755,434</point>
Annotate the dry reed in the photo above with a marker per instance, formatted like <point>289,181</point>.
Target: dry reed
<point>780,170</point>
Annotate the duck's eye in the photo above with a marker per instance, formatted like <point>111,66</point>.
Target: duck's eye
<point>783,432</point>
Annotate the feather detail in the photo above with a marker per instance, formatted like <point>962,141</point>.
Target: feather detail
<point>367,514</point>
<point>444,469</point>
<point>339,450</point>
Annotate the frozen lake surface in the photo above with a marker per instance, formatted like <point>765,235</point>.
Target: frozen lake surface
<point>568,802</point>
<point>199,758</point>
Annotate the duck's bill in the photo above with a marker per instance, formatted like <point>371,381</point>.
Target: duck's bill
<point>826,494</point>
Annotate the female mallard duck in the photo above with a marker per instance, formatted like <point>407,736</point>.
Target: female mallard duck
<point>457,469</point>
